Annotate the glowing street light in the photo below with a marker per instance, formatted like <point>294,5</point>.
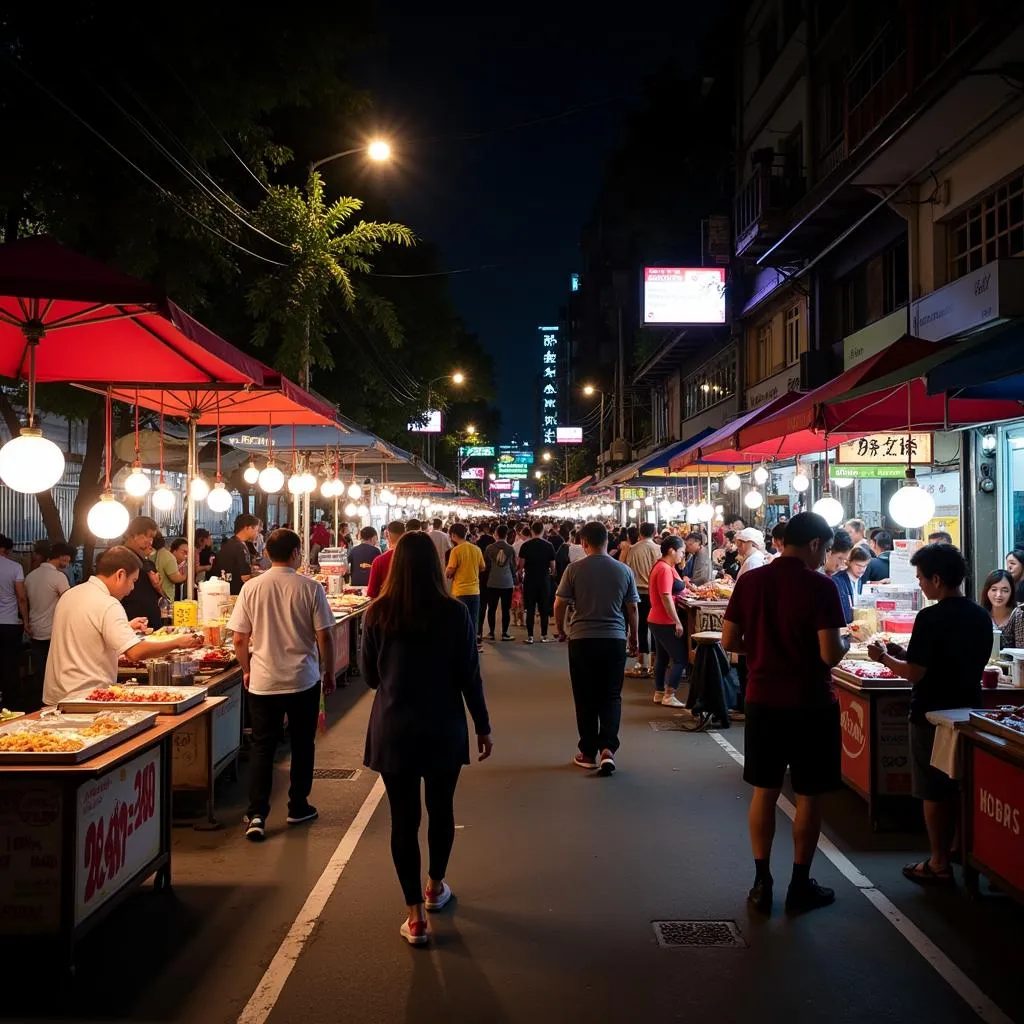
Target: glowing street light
<point>546,456</point>
<point>379,150</point>
<point>588,390</point>
<point>458,377</point>
<point>470,428</point>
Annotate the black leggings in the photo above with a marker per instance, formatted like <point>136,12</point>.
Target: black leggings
<point>494,595</point>
<point>404,797</point>
<point>535,597</point>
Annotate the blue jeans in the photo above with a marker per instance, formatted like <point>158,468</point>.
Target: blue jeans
<point>668,647</point>
<point>472,602</point>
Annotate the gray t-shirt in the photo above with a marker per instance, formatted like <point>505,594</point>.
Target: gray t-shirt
<point>600,588</point>
<point>501,559</point>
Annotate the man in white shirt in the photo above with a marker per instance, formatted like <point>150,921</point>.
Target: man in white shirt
<point>641,559</point>
<point>441,541</point>
<point>43,587</point>
<point>91,629</point>
<point>288,620</point>
<point>13,619</point>
<point>750,544</point>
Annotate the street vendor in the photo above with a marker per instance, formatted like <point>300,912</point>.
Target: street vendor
<point>91,629</point>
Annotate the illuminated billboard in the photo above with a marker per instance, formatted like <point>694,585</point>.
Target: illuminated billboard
<point>569,435</point>
<point>679,296</point>
<point>473,473</point>
<point>430,425</point>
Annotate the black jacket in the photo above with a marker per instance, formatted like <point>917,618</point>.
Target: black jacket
<point>424,684</point>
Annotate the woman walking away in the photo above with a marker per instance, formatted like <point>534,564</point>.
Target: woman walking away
<point>419,653</point>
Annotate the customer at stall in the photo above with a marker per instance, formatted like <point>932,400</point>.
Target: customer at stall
<point>382,563</point>
<point>13,623</point>
<point>144,599</point>
<point>940,537</point>
<point>287,620</point>
<point>417,734</point>
<point>361,557</point>
<point>603,631</point>
<point>856,566</point>
<point>881,546</point>
<point>698,559</point>
<point>786,618</point>
<point>856,529</point>
<point>997,598</point>
<point>641,560</point>
<point>170,562</point>
<point>465,563</point>
<point>836,562</point>
<point>948,650</point>
<point>671,655</point>
<point>778,540</point>
<point>43,589</point>
<point>234,561</point>
<point>500,558</point>
<point>203,548</point>
<point>1015,567</point>
<point>91,629</point>
<point>750,546</point>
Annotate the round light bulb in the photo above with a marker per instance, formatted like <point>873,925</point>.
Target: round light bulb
<point>295,484</point>
<point>649,502</point>
<point>760,476</point>
<point>732,482</point>
<point>271,479</point>
<point>665,508</point>
<point>841,481</point>
<point>636,504</point>
<point>327,489</point>
<point>198,489</point>
<point>251,474</point>
<point>108,518</point>
<point>800,482</point>
<point>29,463</point>
<point>350,510</point>
<point>829,509</point>
<point>753,499</point>
<point>337,487</point>
<point>632,513</point>
<point>705,510</point>
<point>364,511</point>
<point>607,509</point>
<point>136,483</point>
<point>691,513</point>
<point>219,499</point>
<point>163,498</point>
<point>355,491</point>
<point>308,482</point>
<point>911,506</point>
<point>402,501</point>
<point>379,150</point>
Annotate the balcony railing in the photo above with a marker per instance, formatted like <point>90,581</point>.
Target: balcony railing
<point>765,196</point>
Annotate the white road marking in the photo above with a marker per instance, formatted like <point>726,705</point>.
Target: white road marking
<point>263,1000</point>
<point>980,1003</point>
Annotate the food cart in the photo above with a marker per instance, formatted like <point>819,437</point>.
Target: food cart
<point>84,822</point>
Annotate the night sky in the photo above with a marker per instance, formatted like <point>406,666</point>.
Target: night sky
<point>515,197</point>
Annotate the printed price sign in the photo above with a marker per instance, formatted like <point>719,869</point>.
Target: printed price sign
<point>186,613</point>
<point>117,830</point>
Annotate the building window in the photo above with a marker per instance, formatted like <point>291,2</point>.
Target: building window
<point>793,346</point>
<point>763,367</point>
<point>990,229</point>
<point>878,287</point>
<point>714,382</point>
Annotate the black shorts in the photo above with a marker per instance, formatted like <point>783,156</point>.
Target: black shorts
<point>926,782</point>
<point>806,740</point>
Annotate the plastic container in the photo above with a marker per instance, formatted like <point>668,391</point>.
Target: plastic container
<point>897,622</point>
<point>213,599</point>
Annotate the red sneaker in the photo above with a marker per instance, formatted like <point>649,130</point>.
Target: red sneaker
<point>582,761</point>
<point>415,932</point>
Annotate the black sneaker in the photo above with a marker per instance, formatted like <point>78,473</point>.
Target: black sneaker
<point>490,636</point>
<point>256,829</point>
<point>505,637</point>
<point>528,640</point>
<point>808,897</point>
<point>760,896</point>
<point>302,814</point>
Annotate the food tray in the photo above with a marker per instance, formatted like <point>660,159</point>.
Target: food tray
<point>192,695</point>
<point>981,720</point>
<point>867,683</point>
<point>138,723</point>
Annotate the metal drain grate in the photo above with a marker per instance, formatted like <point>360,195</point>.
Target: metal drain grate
<point>719,934</point>
<point>346,774</point>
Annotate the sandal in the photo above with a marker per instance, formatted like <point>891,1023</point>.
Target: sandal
<point>924,874</point>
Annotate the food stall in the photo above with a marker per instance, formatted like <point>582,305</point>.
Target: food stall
<point>85,807</point>
<point>705,609</point>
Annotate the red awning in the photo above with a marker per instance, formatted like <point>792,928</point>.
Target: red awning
<point>574,489</point>
<point>803,427</point>
<point>719,448</point>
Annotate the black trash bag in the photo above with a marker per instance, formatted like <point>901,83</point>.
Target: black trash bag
<point>714,687</point>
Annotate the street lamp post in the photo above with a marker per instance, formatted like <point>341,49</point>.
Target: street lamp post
<point>457,377</point>
<point>379,151</point>
<point>588,391</point>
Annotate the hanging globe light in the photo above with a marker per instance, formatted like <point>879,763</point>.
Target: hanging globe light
<point>800,479</point>
<point>732,481</point>
<point>649,502</point>
<point>108,518</point>
<point>350,510</point>
<point>355,492</point>
<point>137,482</point>
<point>163,498</point>
<point>760,476</point>
<point>295,484</point>
<point>251,474</point>
<point>705,510</point>
<point>402,501</point>
<point>308,482</point>
<point>327,488</point>
<point>911,506</point>
<point>364,511</point>
<point>271,479</point>
<point>30,463</point>
<point>198,489</point>
<point>219,498</point>
<point>753,499</point>
<point>677,509</point>
<point>841,481</point>
<point>607,509</point>
<point>829,509</point>
<point>632,513</point>
<point>636,504</point>
<point>665,508</point>
<point>386,497</point>
<point>691,513</point>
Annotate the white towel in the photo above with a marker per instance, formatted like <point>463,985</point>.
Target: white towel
<point>946,746</point>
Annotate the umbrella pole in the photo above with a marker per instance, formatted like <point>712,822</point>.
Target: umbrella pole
<point>337,523</point>
<point>305,528</point>
<point>190,511</point>
<point>296,525</point>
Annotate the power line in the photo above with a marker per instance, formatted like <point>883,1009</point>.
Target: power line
<point>444,273</point>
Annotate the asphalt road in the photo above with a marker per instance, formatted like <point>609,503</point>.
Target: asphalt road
<point>558,877</point>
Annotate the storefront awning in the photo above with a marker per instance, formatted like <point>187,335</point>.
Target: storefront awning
<point>657,464</point>
<point>990,365</point>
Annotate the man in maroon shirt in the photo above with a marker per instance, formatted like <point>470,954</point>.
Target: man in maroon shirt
<point>382,563</point>
<point>786,618</point>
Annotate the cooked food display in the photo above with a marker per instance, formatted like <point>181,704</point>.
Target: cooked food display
<point>135,694</point>
<point>39,741</point>
<point>866,669</point>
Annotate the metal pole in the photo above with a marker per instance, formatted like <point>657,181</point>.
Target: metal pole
<point>305,528</point>
<point>337,522</point>
<point>622,380</point>
<point>190,511</point>
<point>295,514</point>
<point>600,457</point>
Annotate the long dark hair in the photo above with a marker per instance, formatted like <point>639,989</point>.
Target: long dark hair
<point>991,580</point>
<point>414,589</point>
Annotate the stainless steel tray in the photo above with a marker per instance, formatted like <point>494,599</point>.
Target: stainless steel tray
<point>191,696</point>
<point>71,724</point>
<point>981,721</point>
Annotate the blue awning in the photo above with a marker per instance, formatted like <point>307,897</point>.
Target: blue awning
<point>990,365</point>
<point>658,460</point>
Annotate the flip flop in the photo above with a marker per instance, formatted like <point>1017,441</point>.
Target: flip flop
<point>924,874</point>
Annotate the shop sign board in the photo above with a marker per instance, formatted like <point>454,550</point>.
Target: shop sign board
<point>684,295</point>
<point>990,293</point>
<point>867,472</point>
<point>117,830</point>
<point>890,449</point>
<point>513,471</point>
<point>872,339</point>
<point>770,389</point>
<point>30,856</point>
<point>569,435</point>
<point>477,451</point>
<point>632,493</point>
<point>501,485</point>
<point>892,745</point>
<point>513,453</point>
<point>944,524</point>
<point>997,816</point>
<point>473,473</point>
<point>900,569</point>
<point>430,424</point>
<point>854,715</point>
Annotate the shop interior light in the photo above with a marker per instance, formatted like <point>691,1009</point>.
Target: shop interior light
<point>108,518</point>
<point>665,508</point>
<point>830,509</point>
<point>251,474</point>
<point>219,499</point>
<point>800,479</point>
<point>636,504</point>
<point>677,509</point>
<point>350,510</point>
<point>911,506</point>
<point>705,510</point>
<point>137,483</point>
<point>691,513</point>
<point>355,492</point>
<point>753,499</point>
<point>632,513</point>
<point>760,476</point>
<point>649,502</point>
<point>295,484</point>
<point>308,482</point>
<point>732,482</point>
<point>607,509</point>
<point>198,489</point>
<point>271,479</point>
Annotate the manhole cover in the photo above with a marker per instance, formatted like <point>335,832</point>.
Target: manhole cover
<point>722,934</point>
<point>348,774</point>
